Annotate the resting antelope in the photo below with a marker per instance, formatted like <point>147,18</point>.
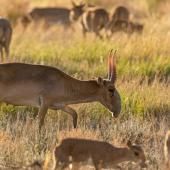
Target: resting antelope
<point>167,150</point>
<point>5,36</point>
<point>53,15</point>
<point>102,154</point>
<point>49,88</point>
<point>94,20</point>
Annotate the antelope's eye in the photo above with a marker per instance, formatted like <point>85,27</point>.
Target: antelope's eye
<point>111,90</point>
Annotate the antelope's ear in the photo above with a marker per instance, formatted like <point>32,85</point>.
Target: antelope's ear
<point>73,3</point>
<point>100,81</point>
<point>112,66</point>
<point>129,143</point>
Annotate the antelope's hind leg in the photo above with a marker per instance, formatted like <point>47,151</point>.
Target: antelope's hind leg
<point>70,111</point>
<point>73,113</point>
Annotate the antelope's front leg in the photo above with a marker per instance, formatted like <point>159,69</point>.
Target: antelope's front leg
<point>72,112</point>
<point>68,110</point>
<point>42,111</point>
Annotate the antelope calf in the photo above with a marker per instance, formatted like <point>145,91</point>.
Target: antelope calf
<point>167,150</point>
<point>5,37</point>
<point>53,15</point>
<point>47,87</point>
<point>94,20</point>
<point>102,154</point>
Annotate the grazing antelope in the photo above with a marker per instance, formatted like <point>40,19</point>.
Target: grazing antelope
<point>94,20</point>
<point>167,150</point>
<point>5,36</point>
<point>53,15</point>
<point>49,88</point>
<point>102,154</point>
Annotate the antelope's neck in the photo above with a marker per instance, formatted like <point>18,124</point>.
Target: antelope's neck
<point>82,91</point>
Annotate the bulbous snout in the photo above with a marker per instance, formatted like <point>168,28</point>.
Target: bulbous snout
<point>115,114</point>
<point>116,105</point>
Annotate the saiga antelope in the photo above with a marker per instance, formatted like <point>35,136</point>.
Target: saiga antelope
<point>103,155</point>
<point>94,20</point>
<point>53,15</point>
<point>121,13</point>
<point>119,20</point>
<point>5,37</point>
<point>47,87</point>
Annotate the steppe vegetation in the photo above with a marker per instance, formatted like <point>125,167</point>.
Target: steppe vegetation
<point>143,79</point>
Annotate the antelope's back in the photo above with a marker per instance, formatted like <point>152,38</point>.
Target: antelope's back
<point>86,146</point>
<point>54,14</point>
<point>13,72</point>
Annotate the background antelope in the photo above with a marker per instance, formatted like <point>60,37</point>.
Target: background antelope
<point>93,20</point>
<point>119,19</point>
<point>53,15</point>
<point>121,13</point>
<point>103,155</point>
<point>167,150</point>
<point>49,88</point>
<point>5,36</point>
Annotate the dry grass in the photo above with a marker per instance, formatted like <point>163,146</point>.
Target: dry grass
<point>143,63</point>
<point>20,144</point>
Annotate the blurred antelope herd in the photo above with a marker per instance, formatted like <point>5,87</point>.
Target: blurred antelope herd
<point>92,19</point>
<point>47,87</point>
